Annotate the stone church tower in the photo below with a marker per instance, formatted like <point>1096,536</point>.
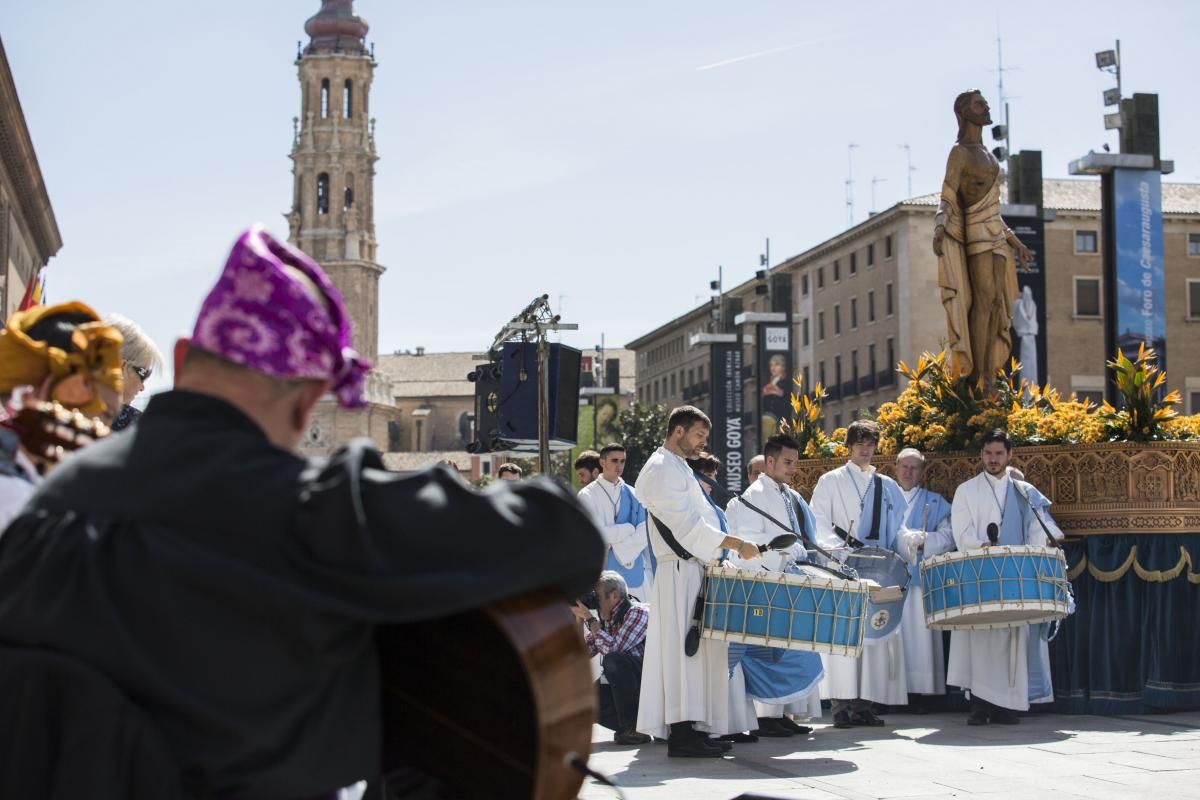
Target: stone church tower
<point>333,204</point>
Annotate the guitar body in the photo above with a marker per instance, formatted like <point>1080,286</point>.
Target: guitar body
<point>489,702</point>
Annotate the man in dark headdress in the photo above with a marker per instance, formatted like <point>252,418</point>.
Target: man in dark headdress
<point>230,588</point>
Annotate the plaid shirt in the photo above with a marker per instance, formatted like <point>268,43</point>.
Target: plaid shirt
<point>629,637</point>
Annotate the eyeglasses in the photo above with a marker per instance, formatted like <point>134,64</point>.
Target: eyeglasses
<point>142,373</point>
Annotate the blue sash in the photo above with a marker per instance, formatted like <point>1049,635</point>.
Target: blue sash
<point>630,511</point>
<point>1017,516</point>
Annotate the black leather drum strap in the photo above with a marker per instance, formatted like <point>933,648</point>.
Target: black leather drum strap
<point>670,539</point>
<point>874,534</point>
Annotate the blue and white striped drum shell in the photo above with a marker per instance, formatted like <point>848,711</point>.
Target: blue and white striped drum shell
<point>810,610</point>
<point>1002,586</point>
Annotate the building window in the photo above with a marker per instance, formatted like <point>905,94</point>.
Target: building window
<point>837,319</point>
<point>323,193</point>
<point>655,387</point>
<point>837,421</point>
<point>642,394</point>
<point>821,373</point>
<point>325,99</point>
<point>348,99</point>
<point>807,386</point>
<point>871,305</point>
<point>853,313</point>
<point>891,354</point>
<point>820,277</point>
<point>691,377</point>
<point>348,194</point>
<point>700,373</point>
<point>837,372</point>
<point>820,326</point>
<point>1193,295</point>
<point>1194,400</point>
<point>672,383</point>
<point>1086,242</point>
<point>837,270</point>
<point>871,254</point>
<point>1093,396</point>
<point>872,367</point>
<point>853,263</point>
<point>1194,244</point>
<point>887,246</point>
<point>854,369</point>
<point>804,332</point>
<point>1087,297</point>
<point>889,304</point>
<point>804,285</point>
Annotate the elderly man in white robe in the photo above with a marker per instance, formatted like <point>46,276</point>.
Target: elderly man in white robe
<point>845,500</point>
<point>684,698</point>
<point>780,682</point>
<point>614,507</point>
<point>926,532</point>
<point>1003,670</point>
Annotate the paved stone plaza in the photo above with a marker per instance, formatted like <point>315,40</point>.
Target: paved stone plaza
<point>934,756</point>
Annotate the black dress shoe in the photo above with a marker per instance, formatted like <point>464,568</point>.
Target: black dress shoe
<point>631,737</point>
<point>693,747</point>
<point>794,726</point>
<point>1005,716</point>
<point>866,719</point>
<point>724,744</point>
<point>976,718</point>
<point>842,720</point>
<point>740,738</point>
<point>771,728</point>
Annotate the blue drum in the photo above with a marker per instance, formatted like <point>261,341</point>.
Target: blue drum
<point>809,610</point>
<point>1002,586</point>
<point>890,574</point>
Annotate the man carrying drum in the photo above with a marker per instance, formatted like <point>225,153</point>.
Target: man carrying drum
<point>779,681</point>
<point>855,506</point>
<point>926,532</point>
<point>684,696</point>
<point>1006,669</point>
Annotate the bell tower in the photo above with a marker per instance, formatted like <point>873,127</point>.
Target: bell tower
<point>333,207</point>
<point>333,164</point>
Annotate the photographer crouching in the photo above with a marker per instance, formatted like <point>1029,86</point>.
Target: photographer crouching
<point>619,638</point>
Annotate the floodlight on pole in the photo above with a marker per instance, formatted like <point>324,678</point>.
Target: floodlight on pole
<point>1106,59</point>
<point>1112,97</point>
<point>1112,122</point>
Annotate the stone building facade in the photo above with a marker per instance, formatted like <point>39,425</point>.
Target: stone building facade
<point>869,297</point>
<point>29,234</point>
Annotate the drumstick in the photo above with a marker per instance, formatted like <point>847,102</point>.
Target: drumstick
<point>924,520</point>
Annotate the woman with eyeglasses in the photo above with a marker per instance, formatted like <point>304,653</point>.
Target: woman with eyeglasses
<point>140,359</point>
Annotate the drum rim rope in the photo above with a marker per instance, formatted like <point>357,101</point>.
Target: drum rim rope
<point>819,585</point>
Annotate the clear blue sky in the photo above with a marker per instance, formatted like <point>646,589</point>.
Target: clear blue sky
<point>583,150</point>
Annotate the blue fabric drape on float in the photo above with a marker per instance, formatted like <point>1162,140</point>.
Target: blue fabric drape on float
<point>1133,644</point>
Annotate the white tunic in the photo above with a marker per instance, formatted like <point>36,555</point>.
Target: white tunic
<point>628,543</point>
<point>675,687</point>
<point>924,653</point>
<point>745,523</point>
<point>878,675</point>
<point>984,662</point>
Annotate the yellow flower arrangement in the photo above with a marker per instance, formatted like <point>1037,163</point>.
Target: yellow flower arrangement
<point>938,411</point>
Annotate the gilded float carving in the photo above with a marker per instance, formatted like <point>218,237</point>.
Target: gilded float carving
<point>1112,487</point>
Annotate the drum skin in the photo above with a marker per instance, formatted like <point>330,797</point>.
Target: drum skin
<point>888,570</point>
<point>810,611</point>
<point>1003,586</point>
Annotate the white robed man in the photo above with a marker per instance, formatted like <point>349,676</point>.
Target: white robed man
<point>845,500</point>
<point>614,507</point>
<point>684,697</point>
<point>1004,670</point>
<point>926,532</point>
<point>780,681</point>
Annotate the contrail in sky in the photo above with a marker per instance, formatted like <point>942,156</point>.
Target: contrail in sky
<point>762,53</point>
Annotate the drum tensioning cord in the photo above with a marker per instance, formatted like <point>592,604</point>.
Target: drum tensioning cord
<point>842,571</point>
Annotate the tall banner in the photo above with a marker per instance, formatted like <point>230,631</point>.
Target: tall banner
<point>1137,297</point>
<point>1029,310</point>
<point>773,377</point>
<point>725,441</point>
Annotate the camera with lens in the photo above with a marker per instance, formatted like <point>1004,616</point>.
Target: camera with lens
<point>591,600</point>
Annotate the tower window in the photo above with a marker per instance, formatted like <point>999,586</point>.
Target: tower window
<point>348,99</point>
<point>325,98</point>
<point>323,193</point>
<point>348,194</point>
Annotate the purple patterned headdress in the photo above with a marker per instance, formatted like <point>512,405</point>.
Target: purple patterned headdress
<point>262,315</point>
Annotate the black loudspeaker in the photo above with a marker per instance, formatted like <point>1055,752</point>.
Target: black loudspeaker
<point>486,378</point>
<point>517,409</point>
<point>612,373</point>
<point>1025,178</point>
<point>1139,125</point>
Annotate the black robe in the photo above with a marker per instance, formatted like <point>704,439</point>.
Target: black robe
<point>231,588</point>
